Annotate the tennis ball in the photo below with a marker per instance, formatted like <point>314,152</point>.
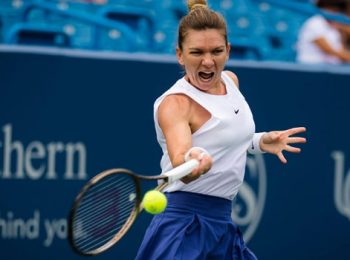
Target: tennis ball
<point>154,202</point>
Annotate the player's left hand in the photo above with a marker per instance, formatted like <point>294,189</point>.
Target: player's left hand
<point>275,142</point>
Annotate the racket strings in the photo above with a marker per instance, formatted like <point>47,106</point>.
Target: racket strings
<point>89,205</point>
<point>103,223</point>
<point>88,221</point>
<point>103,211</point>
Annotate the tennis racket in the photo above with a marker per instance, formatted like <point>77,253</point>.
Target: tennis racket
<point>108,205</point>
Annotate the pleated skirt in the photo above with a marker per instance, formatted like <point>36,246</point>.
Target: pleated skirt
<point>194,227</point>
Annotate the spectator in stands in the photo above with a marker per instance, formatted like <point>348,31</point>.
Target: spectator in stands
<point>346,34</point>
<point>204,116</point>
<point>321,40</point>
<point>344,29</point>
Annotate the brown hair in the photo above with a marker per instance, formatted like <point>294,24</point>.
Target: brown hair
<point>341,5</point>
<point>200,17</point>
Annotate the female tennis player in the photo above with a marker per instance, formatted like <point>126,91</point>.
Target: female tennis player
<point>204,116</point>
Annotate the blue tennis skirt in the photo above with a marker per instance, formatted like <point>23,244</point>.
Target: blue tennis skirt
<point>194,227</point>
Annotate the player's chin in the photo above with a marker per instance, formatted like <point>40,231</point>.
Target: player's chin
<point>205,85</point>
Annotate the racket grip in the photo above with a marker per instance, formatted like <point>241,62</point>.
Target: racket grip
<point>182,170</point>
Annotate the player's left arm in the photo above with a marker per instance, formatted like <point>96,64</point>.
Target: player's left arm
<point>275,142</point>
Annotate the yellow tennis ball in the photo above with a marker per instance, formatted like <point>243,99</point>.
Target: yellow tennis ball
<point>154,202</point>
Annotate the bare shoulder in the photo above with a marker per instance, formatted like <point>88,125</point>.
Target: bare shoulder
<point>233,76</point>
<point>175,105</point>
<point>175,101</point>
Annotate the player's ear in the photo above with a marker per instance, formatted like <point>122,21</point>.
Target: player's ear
<point>228,49</point>
<point>179,56</point>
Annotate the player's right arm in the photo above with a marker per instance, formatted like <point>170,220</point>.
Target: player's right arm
<point>175,115</point>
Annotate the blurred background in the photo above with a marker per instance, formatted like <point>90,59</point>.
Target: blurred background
<point>77,84</point>
<point>258,30</point>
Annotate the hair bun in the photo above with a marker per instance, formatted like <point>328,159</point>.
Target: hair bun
<point>193,4</point>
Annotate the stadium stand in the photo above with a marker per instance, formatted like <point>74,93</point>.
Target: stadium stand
<point>31,34</point>
<point>258,29</point>
<point>140,20</point>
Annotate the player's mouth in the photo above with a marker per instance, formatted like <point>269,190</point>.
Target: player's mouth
<point>206,76</point>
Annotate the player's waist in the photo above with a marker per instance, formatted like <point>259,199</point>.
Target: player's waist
<point>205,205</point>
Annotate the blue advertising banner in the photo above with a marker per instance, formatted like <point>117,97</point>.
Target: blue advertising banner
<point>66,115</point>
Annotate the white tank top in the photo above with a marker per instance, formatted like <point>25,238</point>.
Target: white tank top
<point>226,136</point>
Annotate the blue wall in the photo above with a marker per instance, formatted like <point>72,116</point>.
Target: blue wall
<point>66,115</point>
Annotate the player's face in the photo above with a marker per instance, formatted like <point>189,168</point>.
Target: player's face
<point>203,55</point>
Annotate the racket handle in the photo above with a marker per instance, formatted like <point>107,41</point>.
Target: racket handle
<point>182,170</point>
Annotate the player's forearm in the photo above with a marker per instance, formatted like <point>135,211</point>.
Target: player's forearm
<point>344,55</point>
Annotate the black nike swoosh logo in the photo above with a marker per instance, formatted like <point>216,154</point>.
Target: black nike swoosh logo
<point>236,111</point>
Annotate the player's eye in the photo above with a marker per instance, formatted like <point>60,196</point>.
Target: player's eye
<point>218,51</point>
<point>196,53</point>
